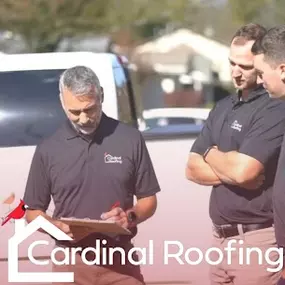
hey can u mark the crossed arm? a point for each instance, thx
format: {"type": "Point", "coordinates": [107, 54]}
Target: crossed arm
{"type": "Point", "coordinates": [245, 166]}
{"type": "Point", "coordinates": [224, 167]}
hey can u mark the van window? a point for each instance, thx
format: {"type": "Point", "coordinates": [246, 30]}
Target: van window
{"type": "Point", "coordinates": [30, 108]}
{"type": "Point", "coordinates": [123, 96]}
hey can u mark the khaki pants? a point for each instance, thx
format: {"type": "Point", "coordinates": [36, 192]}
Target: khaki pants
{"type": "Point", "coordinates": [100, 275]}
{"type": "Point", "coordinates": [245, 267]}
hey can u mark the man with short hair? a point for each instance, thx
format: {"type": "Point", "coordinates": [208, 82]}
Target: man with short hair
{"type": "Point", "coordinates": [269, 61]}
{"type": "Point", "coordinates": [237, 153]}
{"type": "Point", "coordinates": [93, 167]}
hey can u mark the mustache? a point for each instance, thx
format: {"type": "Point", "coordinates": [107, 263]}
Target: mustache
{"type": "Point", "coordinates": [86, 125]}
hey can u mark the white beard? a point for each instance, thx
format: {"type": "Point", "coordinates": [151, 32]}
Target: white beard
{"type": "Point", "coordinates": [84, 131]}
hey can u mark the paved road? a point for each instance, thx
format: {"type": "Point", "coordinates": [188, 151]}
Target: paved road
{"type": "Point", "coordinates": [182, 216]}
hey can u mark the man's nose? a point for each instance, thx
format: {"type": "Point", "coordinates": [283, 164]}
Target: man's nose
{"type": "Point", "coordinates": [83, 118]}
{"type": "Point", "coordinates": [236, 71]}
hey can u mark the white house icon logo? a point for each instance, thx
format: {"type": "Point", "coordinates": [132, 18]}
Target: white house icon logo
{"type": "Point", "coordinates": [22, 232]}
{"type": "Point", "coordinates": [108, 158]}
{"type": "Point", "coordinates": [236, 126]}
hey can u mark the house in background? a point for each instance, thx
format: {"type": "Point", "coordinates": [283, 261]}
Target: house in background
{"type": "Point", "coordinates": [91, 42]}
{"type": "Point", "coordinates": [181, 69]}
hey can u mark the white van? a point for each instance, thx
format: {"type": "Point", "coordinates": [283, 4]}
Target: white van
{"type": "Point", "coordinates": [30, 110]}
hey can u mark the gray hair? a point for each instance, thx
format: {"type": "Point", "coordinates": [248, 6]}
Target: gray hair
{"type": "Point", "coordinates": [80, 80]}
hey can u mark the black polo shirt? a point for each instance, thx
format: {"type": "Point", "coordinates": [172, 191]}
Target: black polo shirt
{"type": "Point", "coordinates": [85, 177]}
{"type": "Point", "coordinates": [254, 127]}
{"type": "Point", "coordinates": [279, 199]}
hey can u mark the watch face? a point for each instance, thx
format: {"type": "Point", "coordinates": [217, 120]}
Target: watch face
{"type": "Point", "coordinates": [132, 216]}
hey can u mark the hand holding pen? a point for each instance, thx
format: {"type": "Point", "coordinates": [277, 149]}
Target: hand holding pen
{"type": "Point", "coordinates": [116, 214]}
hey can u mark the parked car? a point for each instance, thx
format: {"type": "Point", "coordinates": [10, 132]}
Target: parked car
{"type": "Point", "coordinates": [164, 123]}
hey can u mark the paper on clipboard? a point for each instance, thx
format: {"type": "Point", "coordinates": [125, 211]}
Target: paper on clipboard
{"type": "Point", "coordinates": [97, 225]}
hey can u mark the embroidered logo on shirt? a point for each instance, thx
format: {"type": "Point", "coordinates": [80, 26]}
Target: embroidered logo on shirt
{"type": "Point", "coordinates": [236, 126]}
{"type": "Point", "coordinates": [108, 158]}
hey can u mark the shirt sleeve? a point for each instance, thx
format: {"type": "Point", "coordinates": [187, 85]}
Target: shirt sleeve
{"type": "Point", "coordinates": [264, 139]}
{"type": "Point", "coordinates": [204, 140]}
{"type": "Point", "coordinates": [146, 183]}
{"type": "Point", "coordinates": [37, 193]}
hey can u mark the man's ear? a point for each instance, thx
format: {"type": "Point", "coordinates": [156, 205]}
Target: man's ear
{"type": "Point", "coordinates": [282, 71]}
{"type": "Point", "coordinates": [259, 80]}
{"type": "Point", "coordinates": [102, 94]}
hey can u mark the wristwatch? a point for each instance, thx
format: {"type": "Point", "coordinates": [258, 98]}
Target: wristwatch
{"type": "Point", "coordinates": [132, 217]}
{"type": "Point", "coordinates": [206, 152]}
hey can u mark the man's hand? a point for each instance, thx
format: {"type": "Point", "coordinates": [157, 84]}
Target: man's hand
{"type": "Point", "coordinates": [63, 227]}
{"type": "Point", "coordinates": [235, 168]}
{"type": "Point", "coordinates": [118, 215]}
{"type": "Point", "coordinates": [254, 184]}
{"type": "Point", "coordinates": [75, 232]}
{"type": "Point", "coordinates": [198, 171]}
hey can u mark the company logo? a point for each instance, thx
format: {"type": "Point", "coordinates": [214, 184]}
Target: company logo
{"type": "Point", "coordinates": [236, 126]}
{"type": "Point", "coordinates": [108, 158]}
{"type": "Point", "coordinates": [102, 255]}
{"type": "Point", "coordinates": [22, 232]}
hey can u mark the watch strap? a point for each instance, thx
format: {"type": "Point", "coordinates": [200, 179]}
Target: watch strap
{"type": "Point", "coordinates": [206, 152]}
{"type": "Point", "coordinates": [132, 218]}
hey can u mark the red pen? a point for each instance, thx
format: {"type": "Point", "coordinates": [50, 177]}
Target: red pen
{"type": "Point", "coordinates": [115, 205]}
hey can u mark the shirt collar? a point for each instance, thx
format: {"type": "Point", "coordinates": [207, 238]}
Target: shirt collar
{"type": "Point", "coordinates": [255, 93]}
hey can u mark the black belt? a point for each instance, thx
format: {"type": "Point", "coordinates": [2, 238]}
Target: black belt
{"type": "Point", "coordinates": [225, 231]}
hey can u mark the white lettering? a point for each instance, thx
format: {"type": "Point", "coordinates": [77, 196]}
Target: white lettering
{"type": "Point", "coordinates": [65, 251]}
{"type": "Point", "coordinates": [143, 253]}
{"type": "Point", "coordinates": [249, 250]}
{"type": "Point", "coordinates": [229, 249]}
{"type": "Point", "coordinates": [220, 258]}
{"type": "Point", "coordinates": [167, 255]}
{"type": "Point", "coordinates": [112, 159]}
{"type": "Point", "coordinates": [74, 250]}
{"type": "Point", "coordinates": [86, 251]}
{"type": "Point", "coordinates": [151, 255]}
{"type": "Point", "coordinates": [189, 261]}
{"type": "Point", "coordinates": [278, 261]}
{"type": "Point", "coordinates": [30, 252]}
{"type": "Point", "coordinates": [111, 255]}
{"type": "Point", "coordinates": [241, 254]}
{"type": "Point", "coordinates": [103, 251]}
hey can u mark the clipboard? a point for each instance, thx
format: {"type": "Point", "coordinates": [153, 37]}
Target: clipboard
{"type": "Point", "coordinates": [97, 225]}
